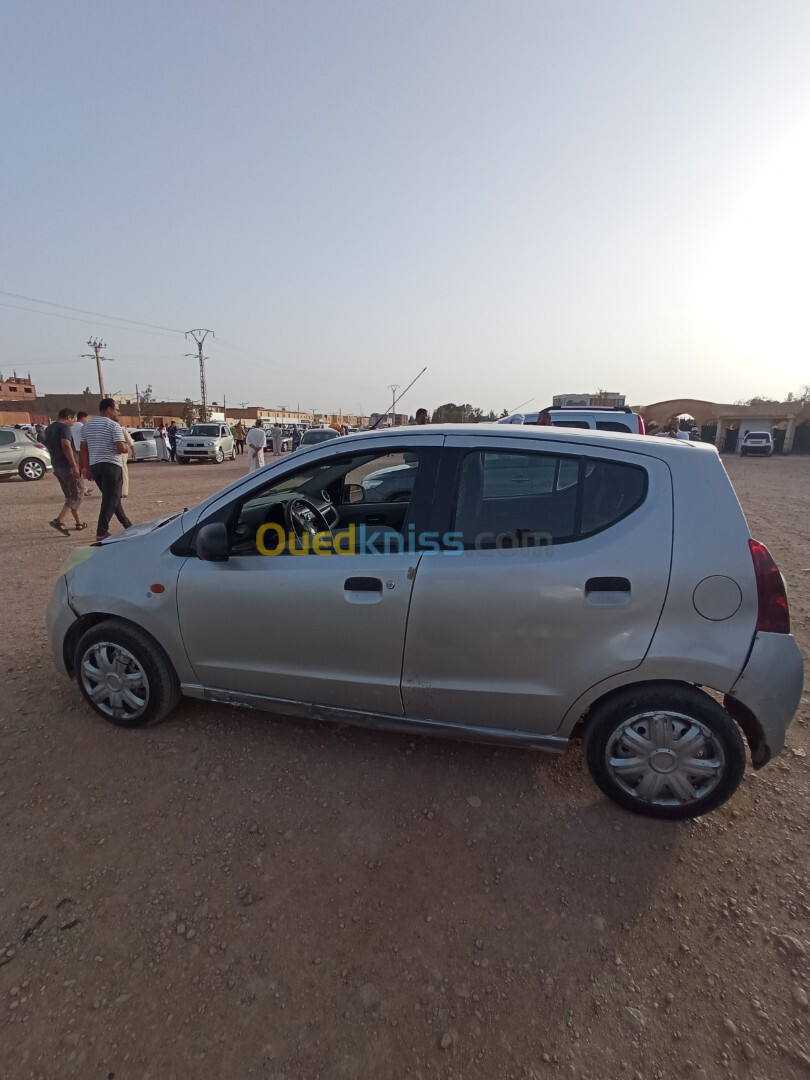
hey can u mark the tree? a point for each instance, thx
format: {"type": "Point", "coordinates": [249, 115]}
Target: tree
{"type": "Point", "coordinates": [146, 403]}
{"type": "Point", "coordinates": [459, 414]}
{"type": "Point", "coordinates": [801, 397]}
{"type": "Point", "coordinates": [189, 412]}
{"type": "Point", "coordinates": [87, 391]}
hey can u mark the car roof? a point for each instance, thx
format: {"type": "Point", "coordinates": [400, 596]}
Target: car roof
{"type": "Point", "coordinates": [614, 440]}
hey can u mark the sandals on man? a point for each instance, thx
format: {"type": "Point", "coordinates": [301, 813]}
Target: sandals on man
{"type": "Point", "coordinates": [60, 527]}
{"type": "Point", "coordinates": [81, 525]}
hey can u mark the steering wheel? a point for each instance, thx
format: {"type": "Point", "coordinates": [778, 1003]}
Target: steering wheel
{"type": "Point", "coordinates": [303, 518]}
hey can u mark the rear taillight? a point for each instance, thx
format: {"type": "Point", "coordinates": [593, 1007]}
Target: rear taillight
{"type": "Point", "coordinates": [773, 615]}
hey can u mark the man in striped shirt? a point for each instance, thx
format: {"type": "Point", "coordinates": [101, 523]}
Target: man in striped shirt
{"type": "Point", "coordinates": [102, 442]}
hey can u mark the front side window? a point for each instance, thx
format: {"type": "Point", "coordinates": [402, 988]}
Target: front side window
{"type": "Point", "coordinates": [529, 499]}
{"type": "Point", "coordinates": [359, 497]}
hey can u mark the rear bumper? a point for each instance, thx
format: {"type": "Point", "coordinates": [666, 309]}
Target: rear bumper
{"type": "Point", "coordinates": [769, 691]}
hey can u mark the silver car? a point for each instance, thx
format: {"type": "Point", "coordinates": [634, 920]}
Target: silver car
{"type": "Point", "coordinates": [22, 455]}
{"type": "Point", "coordinates": [536, 584]}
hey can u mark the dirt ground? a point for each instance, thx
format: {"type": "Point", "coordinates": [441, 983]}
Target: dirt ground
{"type": "Point", "coordinates": [230, 895]}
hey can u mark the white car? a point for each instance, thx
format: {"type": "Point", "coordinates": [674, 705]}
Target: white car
{"type": "Point", "coordinates": [145, 445]}
{"type": "Point", "coordinates": [756, 442]}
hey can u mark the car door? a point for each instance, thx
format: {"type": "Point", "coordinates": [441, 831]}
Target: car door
{"type": "Point", "coordinates": [326, 629]}
{"type": "Point", "coordinates": [507, 633]}
{"type": "Point", "coordinates": [9, 451]}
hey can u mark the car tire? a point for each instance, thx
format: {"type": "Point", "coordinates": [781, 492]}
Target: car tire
{"type": "Point", "coordinates": [120, 650]}
{"type": "Point", "coordinates": [631, 742]}
{"type": "Point", "coordinates": [233, 453]}
{"type": "Point", "coordinates": [219, 456]}
{"type": "Point", "coordinates": [31, 469]}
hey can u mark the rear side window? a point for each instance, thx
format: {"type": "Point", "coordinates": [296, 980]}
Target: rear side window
{"type": "Point", "coordinates": [6, 438]}
{"type": "Point", "coordinates": [528, 499]}
{"type": "Point", "coordinates": [612, 425]}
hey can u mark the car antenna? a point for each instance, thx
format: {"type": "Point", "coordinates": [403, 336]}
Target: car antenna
{"type": "Point", "coordinates": [527, 402]}
{"type": "Point", "coordinates": [396, 399]}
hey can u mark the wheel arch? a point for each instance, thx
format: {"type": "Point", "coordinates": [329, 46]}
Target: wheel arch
{"type": "Point", "coordinates": [739, 713]}
{"type": "Point", "coordinates": [87, 622]}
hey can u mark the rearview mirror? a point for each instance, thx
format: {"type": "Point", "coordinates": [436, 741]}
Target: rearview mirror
{"type": "Point", "coordinates": [212, 543]}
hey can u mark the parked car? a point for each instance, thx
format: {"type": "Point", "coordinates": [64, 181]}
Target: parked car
{"type": "Point", "coordinates": [601, 418]}
{"type": "Point", "coordinates": [207, 442]}
{"type": "Point", "coordinates": [145, 444]}
{"type": "Point", "coordinates": [313, 436]}
{"type": "Point", "coordinates": [756, 442]}
{"type": "Point", "coordinates": [539, 584]}
{"type": "Point", "coordinates": [22, 455]}
{"type": "Point", "coordinates": [393, 484]}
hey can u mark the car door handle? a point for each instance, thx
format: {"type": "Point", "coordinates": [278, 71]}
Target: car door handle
{"type": "Point", "coordinates": [607, 584]}
{"type": "Point", "coordinates": [363, 584]}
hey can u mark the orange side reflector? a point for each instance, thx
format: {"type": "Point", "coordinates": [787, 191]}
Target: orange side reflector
{"type": "Point", "coordinates": [157, 588]}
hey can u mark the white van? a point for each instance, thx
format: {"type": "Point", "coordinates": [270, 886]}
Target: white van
{"type": "Point", "coordinates": [607, 418]}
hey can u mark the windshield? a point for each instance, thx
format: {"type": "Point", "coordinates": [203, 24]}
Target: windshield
{"type": "Point", "coordinates": [205, 429]}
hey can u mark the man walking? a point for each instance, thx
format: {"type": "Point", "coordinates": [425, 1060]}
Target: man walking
{"type": "Point", "coordinates": [171, 431]}
{"type": "Point", "coordinates": [102, 442]}
{"type": "Point", "coordinates": [59, 441]}
{"type": "Point", "coordinates": [76, 435]}
{"type": "Point", "coordinates": [255, 446]}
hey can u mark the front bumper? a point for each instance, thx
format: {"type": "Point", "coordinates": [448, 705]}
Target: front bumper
{"type": "Point", "coordinates": [769, 689]}
{"type": "Point", "coordinates": [59, 618]}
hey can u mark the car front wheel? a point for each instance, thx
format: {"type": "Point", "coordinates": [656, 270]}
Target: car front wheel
{"type": "Point", "coordinates": [124, 675]}
{"type": "Point", "coordinates": [31, 469]}
{"type": "Point", "coordinates": [666, 750]}
{"type": "Point", "coordinates": [219, 457]}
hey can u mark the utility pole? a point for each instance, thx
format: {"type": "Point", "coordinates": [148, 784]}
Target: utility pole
{"type": "Point", "coordinates": [97, 345]}
{"type": "Point", "coordinates": [393, 387]}
{"type": "Point", "coordinates": [199, 337]}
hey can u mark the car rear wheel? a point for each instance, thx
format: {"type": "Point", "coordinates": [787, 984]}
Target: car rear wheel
{"type": "Point", "coordinates": [666, 750]}
{"type": "Point", "coordinates": [31, 469]}
{"type": "Point", "coordinates": [124, 675]}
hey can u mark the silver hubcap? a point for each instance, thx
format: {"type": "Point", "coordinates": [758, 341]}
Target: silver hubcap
{"type": "Point", "coordinates": [32, 469]}
{"type": "Point", "coordinates": [665, 758]}
{"type": "Point", "coordinates": [114, 681]}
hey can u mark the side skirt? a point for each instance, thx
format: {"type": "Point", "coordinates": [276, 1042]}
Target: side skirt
{"type": "Point", "coordinates": [554, 744]}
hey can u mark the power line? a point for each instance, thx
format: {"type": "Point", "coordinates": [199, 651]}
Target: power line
{"type": "Point", "coordinates": [83, 311]}
{"type": "Point", "coordinates": [85, 322]}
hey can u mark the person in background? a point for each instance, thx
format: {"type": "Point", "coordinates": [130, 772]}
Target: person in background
{"type": "Point", "coordinates": [102, 444]}
{"type": "Point", "coordinates": [76, 433]}
{"type": "Point", "coordinates": [421, 417]}
{"type": "Point", "coordinates": [239, 435]}
{"type": "Point", "coordinates": [59, 440]}
{"type": "Point", "coordinates": [124, 459]}
{"type": "Point", "coordinates": [171, 431]}
{"type": "Point", "coordinates": [275, 434]}
{"type": "Point", "coordinates": [296, 438]}
{"type": "Point", "coordinates": [255, 446]}
{"type": "Point", "coordinates": [544, 418]}
{"type": "Point", "coordinates": [39, 433]}
{"type": "Point", "coordinates": [161, 443]}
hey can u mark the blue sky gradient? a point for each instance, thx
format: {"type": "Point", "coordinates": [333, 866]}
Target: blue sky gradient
{"type": "Point", "coordinates": [527, 197]}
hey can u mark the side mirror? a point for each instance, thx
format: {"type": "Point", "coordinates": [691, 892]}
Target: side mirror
{"type": "Point", "coordinates": [352, 493]}
{"type": "Point", "coordinates": [212, 543]}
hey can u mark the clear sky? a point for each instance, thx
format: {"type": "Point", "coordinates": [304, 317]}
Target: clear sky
{"type": "Point", "coordinates": [527, 197]}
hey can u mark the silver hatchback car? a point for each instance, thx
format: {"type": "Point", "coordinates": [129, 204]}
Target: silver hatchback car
{"type": "Point", "coordinates": [21, 455]}
{"type": "Point", "coordinates": [536, 584]}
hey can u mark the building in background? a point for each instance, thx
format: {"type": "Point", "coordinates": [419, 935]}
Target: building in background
{"type": "Point", "coordinates": [610, 398]}
{"type": "Point", "coordinates": [15, 389]}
